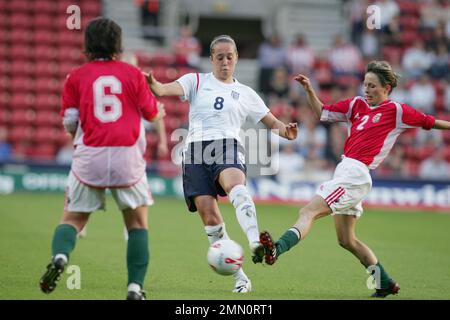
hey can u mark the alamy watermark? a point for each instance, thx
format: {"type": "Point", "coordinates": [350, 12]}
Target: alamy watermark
{"type": "Point", "coordinates": [256, 147]}
{"type": "Point", "coordinates": [374, 17]}
{"type": "Point", "coordinates": [74, 279]}
{"type": "Point", "coordinates": [374, 280]}
{"type": "Point", "coordinates": [73, 22]}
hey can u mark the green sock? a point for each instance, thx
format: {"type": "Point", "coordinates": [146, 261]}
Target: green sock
{"type": "Point", "coordinates": [384, 277]}
{"type": "Point", "coordinates": [138, 255]}
{"type": "Point", "coordinates": [289, 239]}
{"type": "Point", "coordinates": [64, 239]}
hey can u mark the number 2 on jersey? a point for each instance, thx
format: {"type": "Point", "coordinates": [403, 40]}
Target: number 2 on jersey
{"type": "Point", "coordinates": [218, 104]}
{"type": "Point", "coordinates": [107, 107]}
{"type": "Point", "coordinates": [363, 122]}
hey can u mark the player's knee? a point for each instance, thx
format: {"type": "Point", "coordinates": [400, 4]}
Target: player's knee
{"type": "Point", "coordinates": [305, 213]}
{"type": "Point", "coordinates": [346, 243]}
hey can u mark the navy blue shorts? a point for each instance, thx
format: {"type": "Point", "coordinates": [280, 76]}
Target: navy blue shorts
{"type": "Point", "coordinates": [203, 161]}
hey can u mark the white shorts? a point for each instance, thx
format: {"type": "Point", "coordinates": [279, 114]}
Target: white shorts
{"type": "Point", "coordinates": [82, 198]}
{"type": "Point", "coordinates": [350, 184]}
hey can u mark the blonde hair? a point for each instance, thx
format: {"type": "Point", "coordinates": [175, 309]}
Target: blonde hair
{"type": "Point", "coordinates": [384, 72]}
{"type": "Point", "coordinates": [221, 38]}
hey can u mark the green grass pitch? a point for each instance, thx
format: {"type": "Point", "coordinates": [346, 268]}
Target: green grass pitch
{"type": "Point", "coordinates": [414, 247]}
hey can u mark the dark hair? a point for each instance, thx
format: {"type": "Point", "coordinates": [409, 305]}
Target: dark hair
{"type": "Point", "coordinates": [102, 39]}
{"type": "Point", "coordinates": [221, 38]}
{"type": "Point", "coordinates": [384, 72]}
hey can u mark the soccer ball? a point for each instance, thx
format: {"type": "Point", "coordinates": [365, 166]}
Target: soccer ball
{"type": "Point", "coordinates": [225, 257]}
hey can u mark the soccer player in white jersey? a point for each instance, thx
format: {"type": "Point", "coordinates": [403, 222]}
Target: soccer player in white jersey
{"type": "Point", "coordinates": [374, 122]}
{"type": "Point", "coordinates": [103, 103]}
{"type": "Point", "coordinates": [219, 106]}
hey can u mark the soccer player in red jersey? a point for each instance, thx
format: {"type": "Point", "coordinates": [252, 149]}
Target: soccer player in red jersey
{"type": "Point", "coordinates": [374, 122]}
{"type": "Point", "coordinates": [103, 103]}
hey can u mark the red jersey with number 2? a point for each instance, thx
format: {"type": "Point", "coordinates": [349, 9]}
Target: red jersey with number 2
{"type": "Point", "coordinates": [373, 130]}
{"type": "Point", "coordinates": [112, 97]}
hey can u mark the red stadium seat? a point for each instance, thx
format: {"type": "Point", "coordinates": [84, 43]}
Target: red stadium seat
{"type": "Point", "coordinates": [44, 53]}
{"type": "Point", "coordinates": [45, 7]}
{"type": "Point", "coordinates": [22, 100]}
{"type": "Point", "coordinates": [22, 117]}
{"type": "Point", "coordinates": [22, 84]}
{"type": "Point", "coordinates": [45, 118]}
{"type": "Point", "coordinates": [46, 69]}
{"type": "Point", "coordinates": [22, 51]}
{"type": "Point", "coordinates": [48, 85]}
{"type": "Point", "coordinates": [46, 134]}
{"type": "Point", "coordinates": [21, 68]}
{"type": "Point", "coordinates": [20, 134]}
{"type": "Point", "coordinates": [5, 84]}
{"type": "Point", "coordinates": [44, 151]}
{"type": "Point", "coordinates": [21, 21]}
{"type": "Point", "coordinates": [47, 102]}
{"type": "Point", "coordinates": [22, 36]}
{"type": "Point", "coordinates": [44, 21]}
{"type": "Point", "coordinates": [45, 37]}
{"type": "Point", "coordinates": [22, 6]}
{"type": "Point", "coordinates": [4, 116]}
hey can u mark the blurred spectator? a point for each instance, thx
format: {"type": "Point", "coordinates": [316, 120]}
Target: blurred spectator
{"type": "Point", "coordinates": [187, 48]}
{"type": "Point", "coordinates": [335, 143]}
{"type": "Point", "coordinates": [429, 137]}
{"type": "Point", "coordinates": [391, 34]}
{"type": "Point", "coordinates": [313, 134]}
{"type": "Point", "coordinates": [287, 164]}
{"type": "Point", "coordinates": [416, 60]}
{"type": "Point", "coordinates": [300, 57]}
{"type": "Point", "coordinates": [345, 58]}
{"type": "Point", "coordinates": [357, 15]}
{"type": "Point", "coordinates": [279, 84]}
{"type": "Point", "coordinates": [5, 147]}
{"type": "Point", "coordinates": [65, 154]}
{"type": "Point", "coordinates": [400, 93]}
{"type": "Point", "coordinates": [394, 165]}
{"type": "Point", "coordinates": [370, 44]}
{"type": "Point", "coordinates": [388, 10]}
{"type": "Point", "coordinates": [150, 18]}
{"type": "Point", "coordinates": [433, 12]}
{"type": "Point", "coordinates": [423, 95]}
{"type": "Point", "coordinates": [271, 54]}
{"type": "Point", "coordinates": [435, 167]}
{"type": "Point", "coordinates": [438, 37]}
{"type": "Point", "coordinates": [447, 96]}
{"type": "Point", "coordinates": [440, 67]}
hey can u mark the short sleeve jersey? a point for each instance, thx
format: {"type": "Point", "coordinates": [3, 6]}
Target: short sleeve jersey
{"type": "Point", "coordinates": [111, 97]}
{"type": "Point", "coordinates": [373, 130]}
{"type": "Point", "coordinates": [217, 109]}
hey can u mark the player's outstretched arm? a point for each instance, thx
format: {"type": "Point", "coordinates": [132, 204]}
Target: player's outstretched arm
{"type": "Point", "coordinates": [162, 148]}
{"type": "Point", "coordinates": [288, 131]}
{"type": "Point", "coordinates": [441, 125]}
{"type": "Point", "coordinates": [312, 98]}
{"type": "Point", "coordinates": [163, 89]}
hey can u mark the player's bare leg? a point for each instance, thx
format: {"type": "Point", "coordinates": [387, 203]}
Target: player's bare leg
{"type": "Point", "coordinates": [232, 181]}
{"type": "Point", "coordinates": [345, 230]}
{"type": "Point", "coordinates": [209, 212]}
{"type": "Point", "coordinates": [63, 243]}
{"type": "Point", "coordinates": [138, 256]}
{"type": "Point", "coordinates": [315, 209]}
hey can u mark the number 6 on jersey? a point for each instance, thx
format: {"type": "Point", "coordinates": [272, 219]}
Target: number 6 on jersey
{"type": "Point", "coordinates": [107, 107]}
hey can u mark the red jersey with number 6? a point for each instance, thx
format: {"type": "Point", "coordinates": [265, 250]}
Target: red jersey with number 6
{"type": "Point", "coordinates": [373, 130]}
{"type": "Point", "coordinates": [112, 97]}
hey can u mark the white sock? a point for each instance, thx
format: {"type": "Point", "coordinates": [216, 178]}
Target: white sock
{"type": "Point", "coordinates": [134, 287]}
{"type": "Point", "coordinates": [62, 256]}
{"type": "Point", "coordinates": [245, 212]}
{"type": "Point", "coordinates": [218, 232]}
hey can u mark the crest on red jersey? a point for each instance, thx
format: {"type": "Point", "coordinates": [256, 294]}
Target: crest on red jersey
{"type": "Point", "coordinates": [376, 118]}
